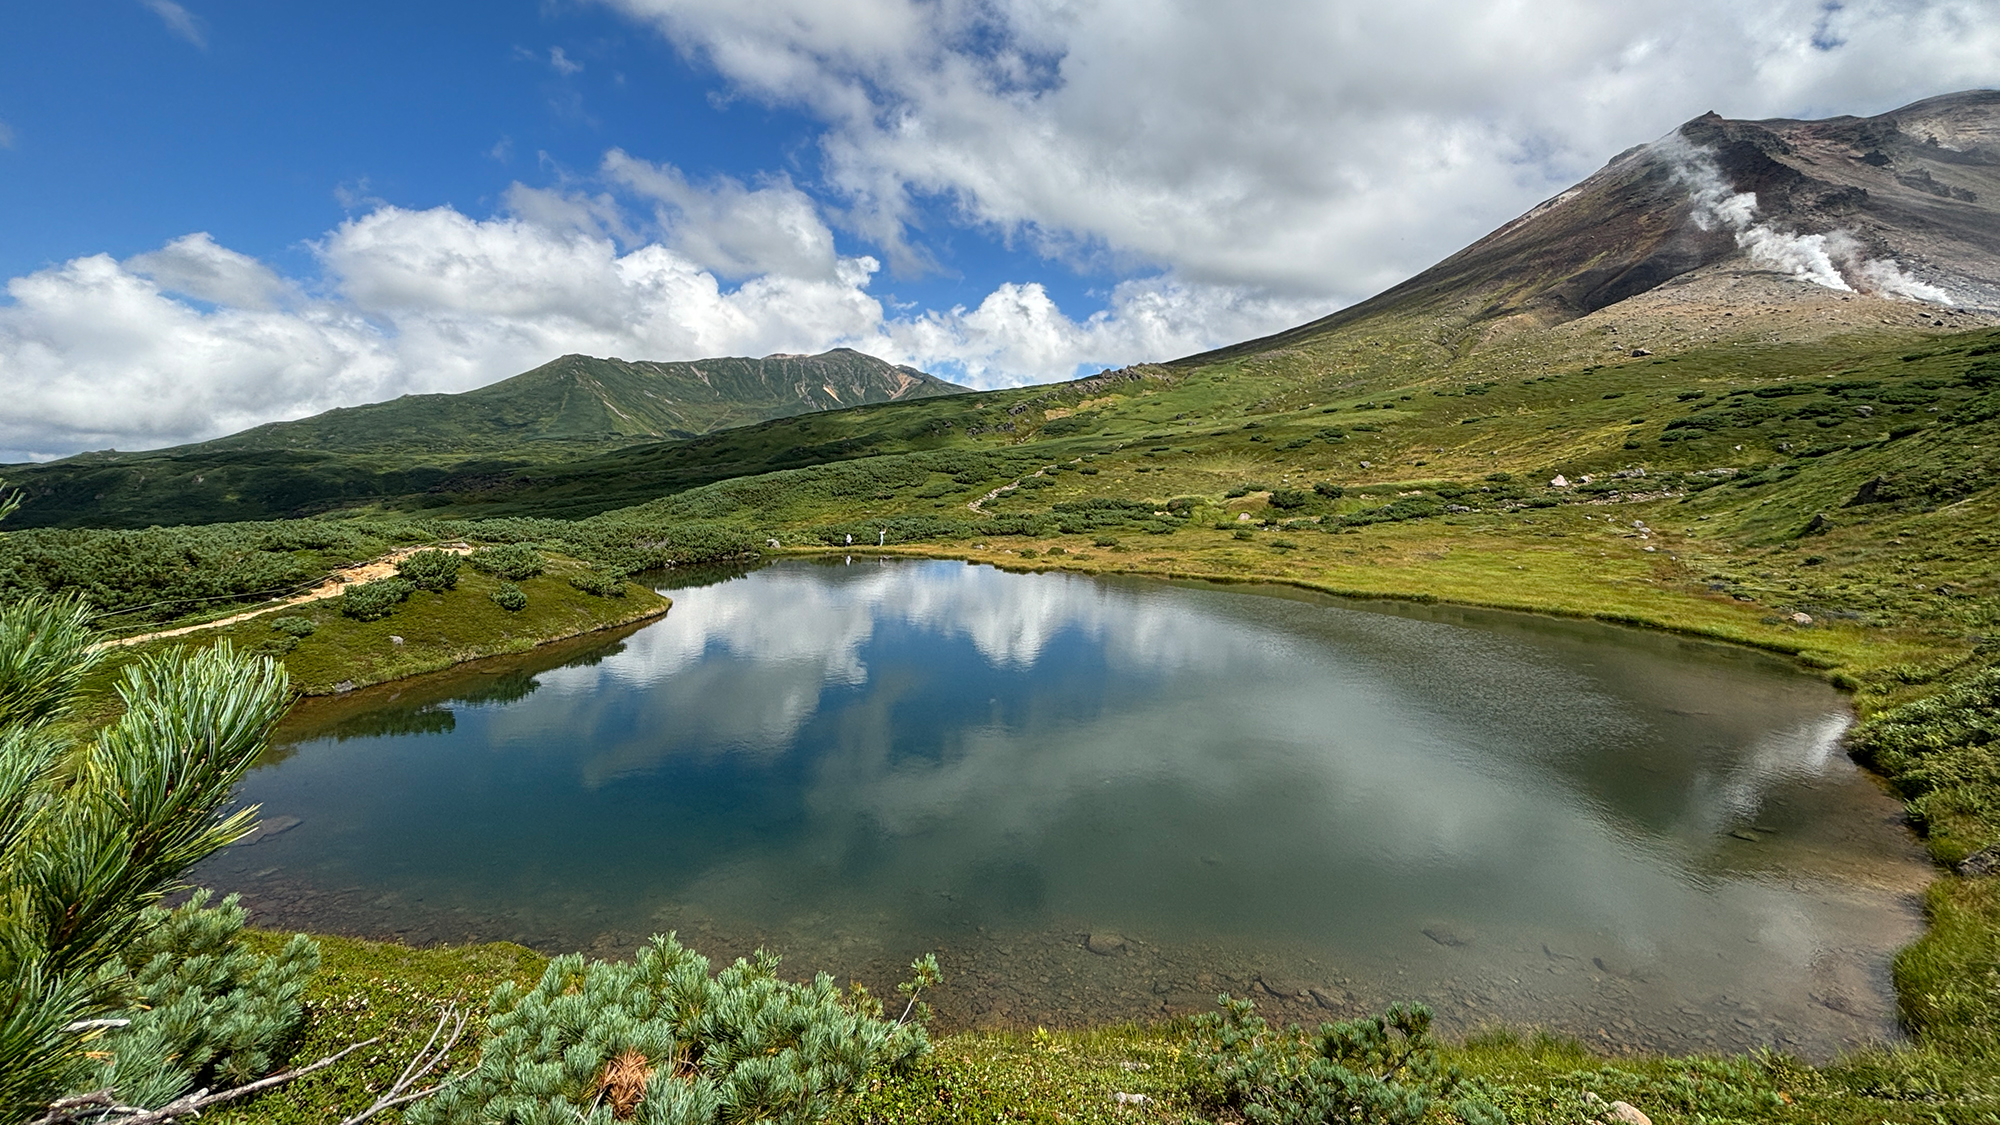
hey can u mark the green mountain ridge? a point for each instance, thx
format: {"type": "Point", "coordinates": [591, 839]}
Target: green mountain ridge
{"type": "Point", "coordinates": [586, 400]}
{"type": "Point", "coordinates": [572, 407]}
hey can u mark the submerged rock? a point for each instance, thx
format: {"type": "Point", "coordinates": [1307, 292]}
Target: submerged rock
{"type": "Point", "coordinates": [1104, 943]}
{"type": "Point", "coordinates": [1449, 933]}
{"type": "Point", "coordinates": [268, 827]}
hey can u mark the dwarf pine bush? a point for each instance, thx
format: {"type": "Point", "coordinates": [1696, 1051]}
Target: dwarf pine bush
{"type": "Point", "coordinates": [203, 1008]}
{"type": "Point", "coordinates": [510, 597]}
{"type": "Point", "coordinates": [660, 1042]}
{"type": "Point", "coordinates": [513, 561]}
{"type": "Point", "coordinates": [436, 571]}
{"type": "Point", "coordinates": [1382, 1070]}
{"type": "Point", "coordinates": [602, 583]}
{"type": "Point", "coordinates": [370, 601]}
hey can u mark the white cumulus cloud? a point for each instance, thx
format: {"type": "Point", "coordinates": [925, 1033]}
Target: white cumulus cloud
{"type": "Point", "coordinates": [1322, 148]}
{"type": "Point", "coordinates": [195, 340]}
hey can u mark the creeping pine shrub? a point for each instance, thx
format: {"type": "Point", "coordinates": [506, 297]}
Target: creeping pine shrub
{"type": "Point", "coordinates": [1289, 498]}
{"type": "Point", "coordinates": [369, 601]}
{"type": "Point", "coordinates": [1330, 491]}
{"type": "Point", "coordinates": [294, 626]}
{"type": "Point", "coordinates": [513, 562]}
{"type": "Point", "coordinates": [510, 597]}
{"type": "Point", "coordinates": [436, 571]}
{"type": "Point", "coordinates": [202, 1007]}
{"type": "Point", "coordinates": [661, 1042]}
{"type": "Point", "coordinates": [1382, 1070]}
{"type": "Point", "coordinates": [602, 583]}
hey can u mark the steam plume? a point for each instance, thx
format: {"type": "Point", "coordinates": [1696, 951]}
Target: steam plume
{"type": "Point", "coordinates": [1834, 259]}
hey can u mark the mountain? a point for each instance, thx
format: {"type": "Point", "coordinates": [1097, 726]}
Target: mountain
{"type": "Point", "coordinates": [579, 399]}
{"type": "Point", "coordinates": [1901, 210]}
{"type": "Point", "coordinates": [571, 407]}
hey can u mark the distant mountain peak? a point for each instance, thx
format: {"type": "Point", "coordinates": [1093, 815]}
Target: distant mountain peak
{"type": "Point", "coordinates": [1903, 206]}
{"type": "Point", "coordinates": [582, 399]}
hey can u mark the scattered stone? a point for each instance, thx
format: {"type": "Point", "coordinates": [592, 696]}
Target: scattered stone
{"type": "Point", "coordinates": [1982, 862]}
{"type": "Point", "coordinates": [1802, 619]}
{"type": "Point", "coordinates": [395, 640]}
{"type": "Point", "coordinates": [1625, 1113]}
{"type": "Point", "coordinates": [1818, 525]}
{"type": "Point", "coordinates": [1616, 967]}
{"type": "Point", "coordinates": [1745, 834]}
{"type": "Point", "coordinates": [1449, 934]}
{"type": "Point", "coordinates": [1123, 1098]}
{"type": "Point", "coordinates": [1329, 999]}
{"type": "Point", "coordinates": [343, 687]}
{"type": "Point", "coordinates": [1104, 943]}
{"type": "Point", "coordinates": [1560, 481]}
{"type": "Point", "coordinates": [268, 827]}
{"type": "Point", "coordinates": [1640, 353]}
{"type": "Point", "coordinates": [1283, 989]}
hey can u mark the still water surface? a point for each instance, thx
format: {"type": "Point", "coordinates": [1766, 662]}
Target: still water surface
{"type": "Point", "coordinates": [1106, 799]}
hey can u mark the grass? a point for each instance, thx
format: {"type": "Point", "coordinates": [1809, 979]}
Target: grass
{"type": "Point", "coordinates": [367, 989]}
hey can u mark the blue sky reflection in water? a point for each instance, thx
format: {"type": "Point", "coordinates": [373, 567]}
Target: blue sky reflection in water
{"type": "Point", "coordinates": [1633, 838]}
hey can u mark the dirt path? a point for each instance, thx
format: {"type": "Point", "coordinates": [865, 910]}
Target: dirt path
{"type": "Point", "coordinates": [975, 505]}
{"type": "Point", "coordinates": [334, 586]}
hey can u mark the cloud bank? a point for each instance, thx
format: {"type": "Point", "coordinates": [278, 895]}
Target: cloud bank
{"type": "Point", "coordinates": [194, 339]}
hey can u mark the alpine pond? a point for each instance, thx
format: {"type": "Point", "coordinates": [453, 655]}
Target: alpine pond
{"type": "Point", "coordinates": [1104, 799]}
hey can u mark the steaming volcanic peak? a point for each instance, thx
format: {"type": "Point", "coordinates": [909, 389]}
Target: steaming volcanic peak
{"type": "Point", "coordinates": [1902, 207]}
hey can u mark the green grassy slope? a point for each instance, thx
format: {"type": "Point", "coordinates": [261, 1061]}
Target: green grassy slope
{"type": "Point", "coordinates": [418, 445]}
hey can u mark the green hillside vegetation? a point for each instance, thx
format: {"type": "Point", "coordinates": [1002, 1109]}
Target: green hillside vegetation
{"type": "Point", "coordinates": [419, 446]}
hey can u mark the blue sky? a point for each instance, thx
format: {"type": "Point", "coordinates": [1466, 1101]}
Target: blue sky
{"type": "Point", "coordinates": [273, 122]}
{"type": "Point", "coordinates": [215, 213]}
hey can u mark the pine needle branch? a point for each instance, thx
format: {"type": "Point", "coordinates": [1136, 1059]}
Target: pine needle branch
{"type": "Point", "coordinates": [429, 1058]}
{"type": "Point", "coordinates": [101, 1107]}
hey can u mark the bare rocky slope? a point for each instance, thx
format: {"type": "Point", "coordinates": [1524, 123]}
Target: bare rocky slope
{"type": "Point", "coordinates": [1865, 219]}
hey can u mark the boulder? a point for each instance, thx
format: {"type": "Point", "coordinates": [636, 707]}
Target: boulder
{"type": "Point", "coordinates": [1625, 1113]}
{"type": "Point", "coordinates": [1104, 943]}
